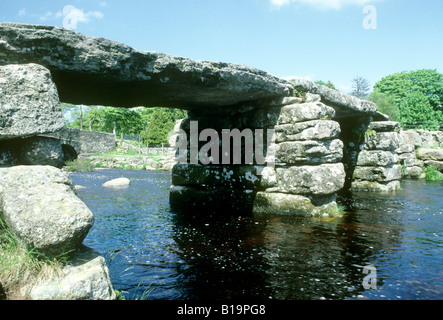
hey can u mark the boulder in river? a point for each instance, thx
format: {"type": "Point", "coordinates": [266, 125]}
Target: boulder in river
{"type": "Point", "coordinates": [120, 182]}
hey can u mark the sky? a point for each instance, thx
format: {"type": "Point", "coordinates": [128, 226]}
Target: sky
{"type": "Point", "coordinates": [328, 40]}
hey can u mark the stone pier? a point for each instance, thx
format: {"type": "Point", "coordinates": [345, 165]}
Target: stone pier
{"type": "Point", "coordinates": [311, 136]}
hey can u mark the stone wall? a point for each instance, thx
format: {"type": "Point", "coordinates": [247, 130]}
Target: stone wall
{"type": "Point", "coordinates": [307, 175]}
{"type": "Point", "coordinates": [377, 164]}
{"type": "Point", "coordinates": [86, 142]}
{"type": "Point", "coordinates": [419, 148]}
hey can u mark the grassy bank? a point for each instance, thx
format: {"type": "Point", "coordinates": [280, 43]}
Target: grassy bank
{"type": "Point", "coordinates": [20, 266]}
{"type": "Point", "coordinates": [432, 174]}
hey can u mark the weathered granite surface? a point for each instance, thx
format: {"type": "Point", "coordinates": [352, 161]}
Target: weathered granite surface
{"type": "Point", "coordinates": [29, 102]}
{"type": "Point", "coordinates": [96, 71]}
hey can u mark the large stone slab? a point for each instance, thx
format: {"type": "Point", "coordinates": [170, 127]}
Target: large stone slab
{"type": "Point", "coordinates": [430, 154]}
{"type": "Point", "coordinates": [96, 71]}
{"type": "Point", "coordinates": [345, 106]}
{"type": "Point", "coordinates": [380, 174]}
{"type": "Point", "coordinates": [384, 126]}
{"type": "Point", "coordinates": [309, 130]}
{"type": "Point", "coordinates": [29, 102]}
{"type": "Point", "coordinates": [40, 206]}
{"type": "Point", "coordinates": [321, 180]}
{"type": "Point", "coordinates": [309, 152]}
{"type": "Point", "coordinates": [388, 141]}
{"type": "Point", "coordinates": [377, 158]}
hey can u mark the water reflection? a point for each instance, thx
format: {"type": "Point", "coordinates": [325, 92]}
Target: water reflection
{"type": "Point", "coordinates": [150, 249]}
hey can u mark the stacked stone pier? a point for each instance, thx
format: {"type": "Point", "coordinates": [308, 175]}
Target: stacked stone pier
{"type": "Point", "coordinates": [293, 145]}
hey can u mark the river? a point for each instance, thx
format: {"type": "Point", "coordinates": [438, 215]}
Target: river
{"type": "Point", "coordinates": [388, 246]}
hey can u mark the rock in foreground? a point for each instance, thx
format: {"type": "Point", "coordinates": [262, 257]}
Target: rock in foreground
{"type": "Point", "coordinates": [40, 206]}
{"type": "Point", "coordinates": [86, 277]}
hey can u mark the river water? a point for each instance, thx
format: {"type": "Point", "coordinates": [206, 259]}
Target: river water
{"type": "Point", "coordinates": [388, 246]}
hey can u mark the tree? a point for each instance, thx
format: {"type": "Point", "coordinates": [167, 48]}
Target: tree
{"type": "Point", "coordinates": [414, 92]}
{"type": "Point", "coordinates": [107, 119]}
{"type": "Point", "coordinates": [161, 122]}
{"type": "Point", "coordinates": [360, 87]}
{"type": "Point", "coordinates": [385, 104]}
{"type": "Point", "coordinates": [416, 110]}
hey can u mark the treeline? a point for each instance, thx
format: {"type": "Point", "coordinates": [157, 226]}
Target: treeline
{"type": "Point", "coordinates": [152, 124]}
{"type": "Point", "coordinates": [414, 98]}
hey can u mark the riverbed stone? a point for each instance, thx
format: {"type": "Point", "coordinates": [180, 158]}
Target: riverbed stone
{"type": "Point", "coordinates": [379, 158]}
{"type": "Point", "coordinates": [86, 277]}
{"type": "Point", "coordinates": [380, 174]}
{"type": "Point", "coordinates": [119, 182]}
{"type": "Point", "coordinates": [40, 206]}
{"type": "Point", "coordinates": [435, 154]}
{"type": "Point", "coordinates": [289, 204]}
{"type": "Point", "coordinates": [309, 152]}
{"type": "Point", "coordinates": [29, 102]}
{"type": "Point", "coordinates": [309, 130]}
{"type": "Point", "coordinates": [320, 180]}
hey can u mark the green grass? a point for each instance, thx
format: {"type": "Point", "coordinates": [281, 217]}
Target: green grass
{"type": "Point", "coordinates": [80, 165]}
{"type": "Point", "coordinates": [432, 174]}
{"type": "Point", "coordinates": [20, 266]}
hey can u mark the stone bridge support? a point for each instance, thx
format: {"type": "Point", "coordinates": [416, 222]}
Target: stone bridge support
{"type": "Point", "coordinates": [319, 150]}
{"type": "Point", "coordinates": [290, 147]}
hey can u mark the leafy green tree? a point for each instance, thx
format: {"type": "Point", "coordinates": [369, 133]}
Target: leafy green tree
{"type": "Point", "coordinates": [161, 122]}
{"type": "Point", "coordinates": [385, 104]}
{"type": "Point", "coordinates": [415, 109]}
{"type": "Point", "coordinates": [414, 92]}
{"type": "Point", "coordinates": [107, 119]}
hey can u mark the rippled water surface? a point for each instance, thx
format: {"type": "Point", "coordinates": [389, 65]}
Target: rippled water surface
{"type": "Point", "coordinates": [153, 253]}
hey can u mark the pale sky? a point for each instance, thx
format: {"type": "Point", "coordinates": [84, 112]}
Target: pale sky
{"type": "Point", "coordinates": [333, 40]}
